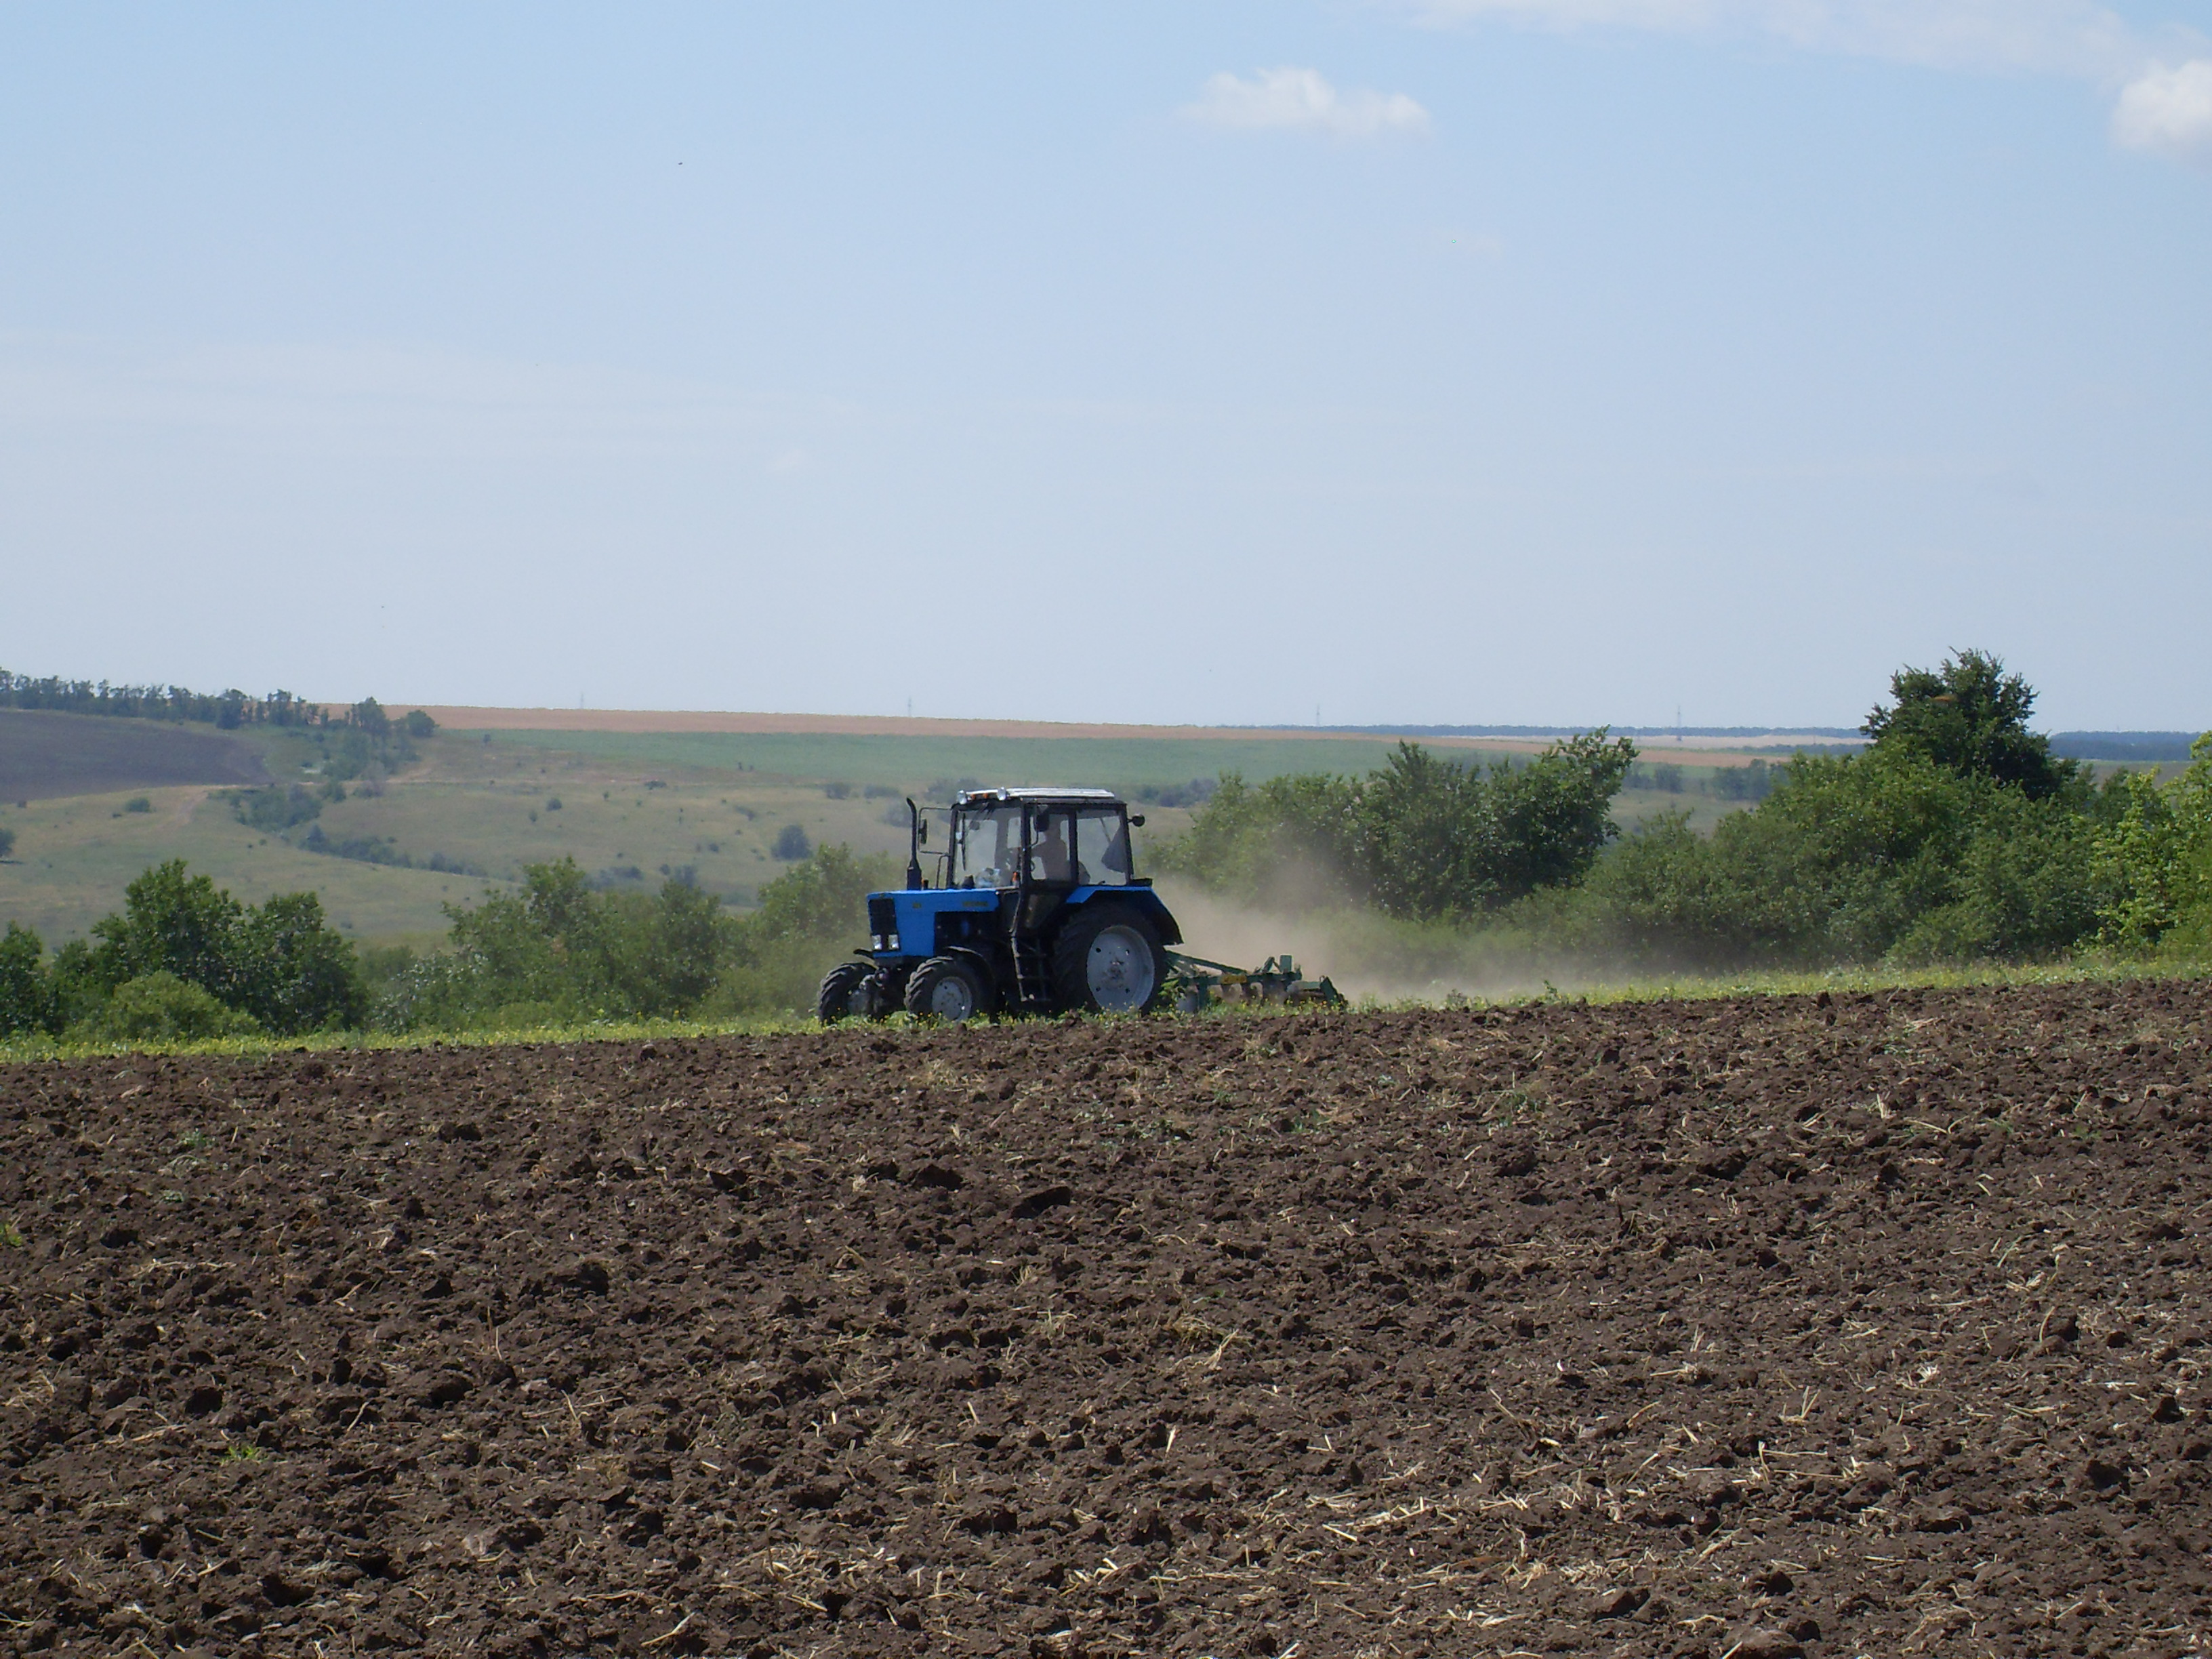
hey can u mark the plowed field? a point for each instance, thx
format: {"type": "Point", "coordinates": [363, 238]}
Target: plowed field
{"type": "Point", "coordinates": [1755, 1327]}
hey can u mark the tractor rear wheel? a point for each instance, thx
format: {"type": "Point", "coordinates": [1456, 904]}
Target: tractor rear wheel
{"type": "Point", "coordinates": [948, 989]}
{"type": "Point", "coordinates": [844, 993]}
{"type": "Point", "coordinates": [1108, 960]}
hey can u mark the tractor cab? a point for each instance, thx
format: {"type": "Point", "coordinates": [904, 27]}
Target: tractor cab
{"type": "Point", "coordinates": [1065, 838]}
{"type": "Point", "coordinates": [1033, 905]}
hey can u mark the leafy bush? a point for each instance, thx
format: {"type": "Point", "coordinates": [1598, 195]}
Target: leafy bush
{"type": "Point", "coordinates": [282, 963]}
{"type": "Point", "coordinates": [569, 951]}
{"type": "Point", "coordinates": [1955, 837]}
{"type": "Point", "coordinates": [808, 919]}
{"type": "Point", "coordinates": [138, 803]}
{"type": "Point", "coordinates": [564, 950]}
{"type": "Point", "coordinates": [160, 1007]}
{"type": "Point", "coordinates": [274, 810]}
{"type": "Point", "coordinates": [791, 843]}
{"type": "Point", "coordinates": [1420, 837]}
{"type": "Point", "coordinates": [1753, 782]}
{"type": "Point", "coordinates": [1886, 855]}
{"type": "Point", "coordinates": [1834, 866]}
{"type": "Point", "coordinates": [7, 843]}
{"type": "Point", "coordinates": [2156, 858]}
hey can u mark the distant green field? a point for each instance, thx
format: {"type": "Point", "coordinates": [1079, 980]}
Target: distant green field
{"type": "Point", "coordinates": [1125, 763]}
{"type": "Point", "coordinates": [75, 856]}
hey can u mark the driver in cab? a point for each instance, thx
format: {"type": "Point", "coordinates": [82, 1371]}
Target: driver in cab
{"type": "Point", "coordinates": [1050, 849]}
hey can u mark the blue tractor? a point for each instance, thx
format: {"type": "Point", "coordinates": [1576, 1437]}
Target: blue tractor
{"type": "Point", "coordinates": [1036, 909]}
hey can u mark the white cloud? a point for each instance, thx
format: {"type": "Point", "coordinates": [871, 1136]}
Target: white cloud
{"type": "Point", "coordinates": [1302, 98]}
{"type": "Point", "coordinates": [2064, 36]}
{"type": "Point", "coordinates": [2168, 110]}
{"type": "Point", "coordinates": [2160, 108]}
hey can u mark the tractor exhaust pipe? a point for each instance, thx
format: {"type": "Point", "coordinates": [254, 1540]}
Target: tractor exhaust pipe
{"type": "Point", "coordinates": [913, 846]}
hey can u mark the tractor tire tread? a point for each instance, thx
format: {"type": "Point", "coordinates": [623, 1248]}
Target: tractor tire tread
{"type": "Point", "coordinates": [921, 987]}
{"type": "Point", "coordinates": [1071, 955]}
{"type": "Point", "coordinates": [833, 1001]}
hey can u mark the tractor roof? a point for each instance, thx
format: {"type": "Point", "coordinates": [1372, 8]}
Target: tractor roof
{"type": "Point", "coordinates": [1041, 792]}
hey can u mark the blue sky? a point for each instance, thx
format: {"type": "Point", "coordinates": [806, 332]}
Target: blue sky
{"type": "Point", "coordinates": [1474, 361]}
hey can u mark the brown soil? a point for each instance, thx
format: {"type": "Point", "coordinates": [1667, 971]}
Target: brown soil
{"type": "Point", "coordinates": [1755, 1327]}
{"type": "Point", "coordinates": [45, 754]}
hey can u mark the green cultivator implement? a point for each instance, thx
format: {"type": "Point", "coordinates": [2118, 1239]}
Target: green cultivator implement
{"type": "Point", "coordinates": [1196, 982]}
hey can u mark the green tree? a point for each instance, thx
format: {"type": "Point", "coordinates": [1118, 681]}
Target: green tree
{"type": "Point", "coordinates": [175, 922]}
{"type": "Point", "coordinates": [281, 964]}
{"type": "Point", "coordinates": [667, 951]}
{"type": "Point", "coordinates": [2026, 887]}
{"type": "Point", "coordinates": [2156, 856]}
{"type": "Point", "coordinates": [1550, 820]}
{"type": "Point", "coordinates": [7, 842]}
{"type": "Point", "coordinates": [1419, 837]}
{"type": "Point", "coordinates": [294, 972]}
{"type": "Point", "coordinates": [1970, 717]}
{"type": "Point", "coordinates": [1423, 835]}
{"type": "Point", "coordinates": [558, 951]}
{"type": "Point", "coordinates": [808, 918]}
{"type": "Point", "coordinates": [77, 988]}
{"type": "Point", "coordinates": [1291, 841]}
{"type": "Point", "coordinates": [824, 897]}
{"type": "Point", "coordinates": [26, 989]}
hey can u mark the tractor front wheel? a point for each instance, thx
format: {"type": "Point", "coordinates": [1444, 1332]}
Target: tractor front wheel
{"type": "Point", "coordinates": [947, 989]}
{"type": "Point", "coordinates": [845, 993]}
{"type": "Point", "coordinates": [1108, 960]}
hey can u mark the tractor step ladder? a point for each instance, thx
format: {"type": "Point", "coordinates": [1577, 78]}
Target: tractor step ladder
{"type": "Point", "coordinates": [1031, 976]}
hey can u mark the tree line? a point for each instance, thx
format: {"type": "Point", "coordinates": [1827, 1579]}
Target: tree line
{"type": "Point", "coordinates": [184, 960]}
{"type": "Point", "coordinates": [226, 709]}
{"type": "Point", "coordinates": [1956, 836]}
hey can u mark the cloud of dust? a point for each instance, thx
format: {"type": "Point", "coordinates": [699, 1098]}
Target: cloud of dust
{"type": "Point", "coordinates": [1370, 956]}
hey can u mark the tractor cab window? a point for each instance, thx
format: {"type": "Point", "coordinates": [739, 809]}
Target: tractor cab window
{"type": "Point", "coordinates": [987, 847]}
{"type": "Point", "coordinates": [1051, 845]}
{"type": "Point", "coordinates": [1101, 847]}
